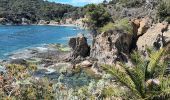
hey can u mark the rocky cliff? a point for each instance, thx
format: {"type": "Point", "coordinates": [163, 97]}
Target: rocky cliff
{"type": "Point", "coordinates": [116, 45]}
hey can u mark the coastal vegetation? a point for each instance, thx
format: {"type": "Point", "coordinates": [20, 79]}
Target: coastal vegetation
{"type": "Point", "coordinates": [163, 11]}
{"type": "Point", "coordinates": [147, 79]}
{"type": "Point", "coordinates": [128, 59]}
{"type": "Point", "coordinates": [122, 24]}
{"type": "Point", "coordinates": [97, 15]}
{"type": "Point", "coordinates": [33, 10]}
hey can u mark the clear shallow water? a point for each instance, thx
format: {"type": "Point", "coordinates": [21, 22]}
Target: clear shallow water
{"type": "Point", "coordinates": [13, 38]}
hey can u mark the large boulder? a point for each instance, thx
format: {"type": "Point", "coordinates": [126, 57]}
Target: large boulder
{"type": "Point", "coordinates": [79, 47]}
{"type": "Point", "coordinates": [157, 36]}
{"type": "Point", "coordinates": [141, 25]}
{"type": "Point", "coordinates": [108, 46]}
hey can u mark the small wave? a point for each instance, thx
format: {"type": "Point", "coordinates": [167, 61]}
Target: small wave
{"type": "Point", "coordinates": [66, 38]}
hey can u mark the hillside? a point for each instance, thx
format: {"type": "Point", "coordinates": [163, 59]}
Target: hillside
{"type": "Point", "coordinates": [32, 10]}
{"type": "Point", "coordinates": [128, 59]}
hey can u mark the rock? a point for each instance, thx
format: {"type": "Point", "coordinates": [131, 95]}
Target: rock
{"type": "Point", "coordinates": [140, 26]}
{"type": "Point", "coordinates": [19, 61]}
{"type": "Point", "coordinates": [5, 21]}
{"type": "Point", "coordinates": [80, 23]}
{"type": "Point", "coordinates": [69, 21]}
{"type": "Point", "coordinates": [25, 21]}
{"type": "Point", "coordinates": [84, 64]}
{"type": "Point", "coordinates": [79, 47]}
{"type": "Point", "coordinates": [96, 69]}
{"type": "Point", "coordinates": [157, 36]}
{"type": "Point", "coordinates": [109, 45]}
{"type": "Point", "coordinates": [53, 23]}
{"type": "Point", "coordinates": [166, 36]}
{"type": "Point", "coordinates": [152, 82]}
{"type": "Point", "coordinates": [43, 22]}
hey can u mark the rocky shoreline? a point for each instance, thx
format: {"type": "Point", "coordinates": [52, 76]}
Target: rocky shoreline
{"type": "Point", "coordinates": [80, 64]}
{"type": "Point", "coordinates": [65, 22]}
{"type": "Point", "coordinates": [107, 48]}
{"type": "Point", "coordinates": [52, 61]}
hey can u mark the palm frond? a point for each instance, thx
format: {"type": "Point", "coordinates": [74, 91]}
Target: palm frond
{"type": "Point", "coordinates": [165, 84]}
{"type": "Point", "coordinates": [123, 77]}
{"type": "Point", "coordinates": [154, 60]}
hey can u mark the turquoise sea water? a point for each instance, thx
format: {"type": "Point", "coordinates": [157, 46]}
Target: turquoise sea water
{"type": "Point", "coordinates": [13, 38]}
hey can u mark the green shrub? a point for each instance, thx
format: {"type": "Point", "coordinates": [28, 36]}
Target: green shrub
{"type": "Point", "coordinates": [97, 15]}
{"type": "Point", "coordinates": [164, 10]}
{"type": "Point", "coordinates": [131, 3]}
{"type": "Point", "coordinates": [107, 27]}
{"type": "Point", "coordinates": [107, 92]}
{"type": "Point", "coordinates": [122, 24]}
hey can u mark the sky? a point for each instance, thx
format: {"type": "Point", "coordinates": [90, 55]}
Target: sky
{"type": "Point", "coordinates": [77, 2]}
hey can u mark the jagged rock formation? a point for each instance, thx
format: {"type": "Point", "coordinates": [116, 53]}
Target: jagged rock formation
{"type": "Point", "coordinates": [157, 36]}
{"type": "Point", "coordinates": [166, 36]}
{"type": "Point", "coordinates": [140, 26]}
{"type": "Point", "coordinates": [110, 46]}
{"type": "Point", "coordinates": [79, 47]}
{"type": "Point", "coordinates": [116, 45]}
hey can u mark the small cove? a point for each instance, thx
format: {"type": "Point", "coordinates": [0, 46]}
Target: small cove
{"type": "Point", "coordinates": [17, 42]}
{"type": "Point", "coordinates": [13, 38]}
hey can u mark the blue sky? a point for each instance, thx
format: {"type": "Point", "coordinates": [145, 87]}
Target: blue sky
{"type": "Point", "coordinates": [77, 2]}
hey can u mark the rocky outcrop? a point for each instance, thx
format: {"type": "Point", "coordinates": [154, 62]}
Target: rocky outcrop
{"type": "Point", "coordinates": [43, 22]}
{"type": "Point", "coordinates": [19, 62]}
{"type": "Point", "coordinates": [84, 64]}
{"type": "Point", "coordinates": [157, 36]}
{"type": "Point", "coordinates": [166, 36]}
{"type": "Point", "coordinates": [11, 20]}
{"type": "Point", "coordinates": [52, 22]}
{"type": "Point", "coordinates": [69, 21]}
{"type": "Point", "coordinates": [79, 47]}
{"type": "Point", "coordinates": [25, 21]}
{"type": "Point", "coordinates": [4, 21]}
{"type": "Point", "coordinates": [80, 23]}
{"type": "Point", "coordinates": [140, 26]}
{"type": "Point", "coordinates": [111, 46]}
